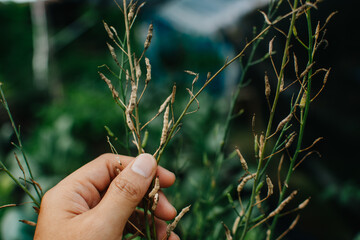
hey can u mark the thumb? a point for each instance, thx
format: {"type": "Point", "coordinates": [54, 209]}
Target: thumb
{"type": "Point", "coordinates": [126, 191]}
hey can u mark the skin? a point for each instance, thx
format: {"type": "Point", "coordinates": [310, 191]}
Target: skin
{"type": "Point", "coordinates": [97, 200]}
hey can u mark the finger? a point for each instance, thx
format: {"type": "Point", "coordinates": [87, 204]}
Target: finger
{"type": "Point", "coordinates": [164, 210]}
{"type": "Point", "coordinates": [101, 171]}
{"type": "Point", "coordinates": [126, 191]}
{"type": "Point", "coordinates": [95, 177]}
{"type": "Point", "coordinates": [166, 177]}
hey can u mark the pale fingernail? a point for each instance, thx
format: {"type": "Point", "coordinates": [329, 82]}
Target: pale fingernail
{"type": "Point", "coordinates": [144, 165]}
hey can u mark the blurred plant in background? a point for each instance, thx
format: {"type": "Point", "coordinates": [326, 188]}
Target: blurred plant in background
{"type": "Point", "coordinates": [62, 125]}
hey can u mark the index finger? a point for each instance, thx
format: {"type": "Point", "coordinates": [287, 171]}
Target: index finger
{"type": "Point", "coordinates": [101, 171]}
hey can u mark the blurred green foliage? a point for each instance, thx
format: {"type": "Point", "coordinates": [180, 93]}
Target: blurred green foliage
{"type": "Point", "coordinates": [63, 126]}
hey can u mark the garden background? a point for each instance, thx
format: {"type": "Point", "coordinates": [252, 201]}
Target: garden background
{"type": "Point", "coordinates": [62, 105]}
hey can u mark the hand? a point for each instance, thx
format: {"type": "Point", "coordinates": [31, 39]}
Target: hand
{"type": "Point", "coordinates": [96, 201]}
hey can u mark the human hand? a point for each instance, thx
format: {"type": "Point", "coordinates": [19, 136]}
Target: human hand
{"type": "Point", "coordinates": [96, 201]}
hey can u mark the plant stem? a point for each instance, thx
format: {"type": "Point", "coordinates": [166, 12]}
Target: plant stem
{"type": "Point", "coordinates": [19, 184]}
{"type": "Point", "coordinates": [176, 124]}
{"type": "Point", "coordinates": [127, 29]}
{"type": "Point", "coordinates": [303, 119]}
{"type": "Point", "coordinates": [269, 126]}
{"type": "Point", "coordinates": [17, 133]}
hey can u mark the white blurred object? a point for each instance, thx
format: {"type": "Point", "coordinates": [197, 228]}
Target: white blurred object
{"type": "Point", "coordinates": [206, 17]}
{"type": "Point", "coordinates": [40, 61]}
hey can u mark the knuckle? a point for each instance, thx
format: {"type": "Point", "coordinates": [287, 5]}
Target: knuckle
{"type": "Point", "coordinates": [106, 156]}
{"type": "Point", "coordinates": [127, 189]}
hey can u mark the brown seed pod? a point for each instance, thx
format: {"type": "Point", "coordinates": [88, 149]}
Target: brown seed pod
{"type": "Point", "coordinates": [148, 70]}
{"type": "Point", "coordinates": [148, 37]}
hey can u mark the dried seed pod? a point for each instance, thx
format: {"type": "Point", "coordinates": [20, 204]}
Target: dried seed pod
{"type": "Point", "coordinates": [148, 37]}
{"type": "Point", "coordinates": [261, 144]}
{"type": "Point", "coordinates": [131, 12]}
{"type": "Point", "coordinates": [165, 103]}
{"type": "Point", "coordinates": [155, 202]}
{"type": "Point", "coordinates": [208, 75]}
{"type": "Point", "coordinates": [266, 18]}
{"type": "Point", "coordinates": [258, 201]}
{"type": "Point", "coordinates": [190, 72]}
{"type": "Point", "coordinates": [242, 160]}
{"type": "Point", "coordinates": [317, 32]}
{"type": "Point", "coordinates": [148, 70]}
{"type": "Point", "coordinates": [132, 101]}
{"type": "Point", "coordinates": [137, 69]}
{"type": "Point", "coordinates": [114, 30]}
{"type": "Point", "coordinates": [256, 145]}
{"type": "Point", "coordinates": [267, 86]}
{"type": "Point", "coordinates": [127, 77]}
{"type": "Point", "coordinates": [195, 79]}
{"type": "Point", "coordinates": [235, 225]}
{"type": "Point", "coordinates": [307, 69]}
{"type": "Point", "coordinates": [19, 164]}
{"type": "Point", "coordinates": [227, 232]}
{"type": "Point", "coordinates": [271, 46]}
{"type": "Point", "coordinates": [113, 54]}
{"type": "Point", "coordinates": [326, 76]}
{"type": "Point", "coordinates": [268, 234]}
{"type": "Point", "coordinates": [173, 94]}
{"type": "Point", "coordinates": [270, 186]}
{"type": "Point", "coordinates": [283, 122]}
{"type": "Point", "coordinates": [304, 204]}
{"type": "Point", "coordinates": [164, 132]}
{"type": "Point", "coordinates": [293, 224]}
{"type": "Point", "coordinates": [296, 66]}
{"type": "Point", "coordinates": [115, 94]}
{"type": "Point", "coordinates": [303, 100]}
{"type": "Point", "coordinates": [291, 139]}
{"type": "Point", "coordinates": [244, 181]}
{"type": "Point", "coordinates": [155, 189]}
{"type": "Point", "coordinates": [282, 204]}
{"type": "Point", "coordinates": [30, 223]}
{"type": "Point", "coordinates": [107, 29]}
{"type": "Point", "coordinates": [173, 225]}
{"type": "Point", "coordinates": [129, 121]}
{"type": "Point", "coordinates": [282, 84]}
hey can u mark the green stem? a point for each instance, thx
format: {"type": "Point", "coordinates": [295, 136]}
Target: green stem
{"type": "Point", "coordinates": [20, 146]}
{"type": "Point", "coordinates": [19, 184]}
{"type": "Point", "coordinates": [127, 29]}
{"type": "Point", "coordinates": [269, 126]}
{"type": "Point", "coordinates": [304, 115]}
{"type": "Point", "coordinates": [176, 124]}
